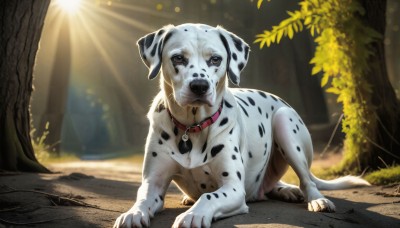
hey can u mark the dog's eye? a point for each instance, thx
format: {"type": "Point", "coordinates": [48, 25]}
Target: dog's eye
{"type": "Point", "coordinates": [215, 60]}
{"type": "Point", "coordinates": [178, 59]}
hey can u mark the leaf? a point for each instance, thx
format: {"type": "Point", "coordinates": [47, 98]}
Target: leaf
{"type": "Point", "coordinates": [279, 36]}
{"type": "Point", "coordinates": [333, 90]}
{"type": "Point", "coordinates": [290, 31]}
{"type": "Point", "coordinates": [316, 70]}
{"type": "Point", "coordinates": [259, 2]}
{"type": "Point", "coordinates": [324, 80]}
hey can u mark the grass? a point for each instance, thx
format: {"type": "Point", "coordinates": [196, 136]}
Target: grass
{"type": "Point", "coordinates": [384, 176]}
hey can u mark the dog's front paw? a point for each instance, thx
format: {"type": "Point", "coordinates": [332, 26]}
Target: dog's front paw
{"type": "Point", "coordinates": [192, 219]}
{"type": "Point", "coordinates": [133, 218]}
{"type": "Point", "coordinates": [321, 205]}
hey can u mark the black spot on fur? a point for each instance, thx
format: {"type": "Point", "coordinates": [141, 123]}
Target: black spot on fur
{"type": "Point", "coordinates": [164, 135]}
{"type": "Point", "coordinates": [227, 104]}
{"type": "Point", "coordinates": [246, 52]}
{"type": "Point", "coordinates": [154, 154]}
{"type": "Point", "coordinates": [301, 122]}
{"type": "Point", "coordinates": [204, 147]}
{"type": "Point", "coordinates": [161, 197]}
{"type": "Point", "coordinates": [273, 97]}
{"type": "Point", "coordinates": [208, 196]}
{"type": "Point", "coordinates": [175, 131]}
{"type": "Point", "coordinates": [202, 75]}
{"type": "Point", "coordinates": [238, 43]}
{"type": "Point", "coordinates": [240, 66]}
{"type": "Point", "coordinates": [298, 148]}
{"type": "Point", "coordinates": [216, 195]}
{"type": "Point", "coordinates": [160, 142]}
{"type": "Point", "coordinates": [294, 131]}
{"type": "Point", "coordinates": [291, 120]}
{"type": "Point", "coordinates": [297, 126]}
{"type": "Point", "coordinates": [266, 115]}
{"type": "Point", "coordinates": [172, 152]}
{"type": "Point", "coordinates": [234, 189]}
{"type": "Point", "coordinates": [234, 157]}
{"type": "Point", "coordinates": [272, 108]}
{"type": "Point", "coordinates": [216, 149]}
{"type": "Point", "coordinates": [225, 174]}
{"type": "Point", "coordinates": [263, 128]}
{"type": "Point", "coordinates": [244, 102]}
{"type": "Point", "coordinates": [244, 110]}
{"type": "Point", "coordinates": [205, 158]}
{"type": "Point", "coordinates": [160, 107]}
{"type": "Point", "coordinates": [195, 75]}
{"type": "Point", "coordinates": [234, 56]}
{"type": "Point", "coordinates": [231, 131]}
{"type": "Point", "coordinates": [223, 121]}
{"type": "Point", "coordinates": [224, 194]}
{"type": "Point", "coordinates": [156, 200]}
{"type": "Point", "coordinates": [260, 130]}
{"type": "Point", "coordinates": [236, 149]}
{"type": "Point", "coordinates": [251, 101]}
{"type": "Point", "coordinates": [191, 66]}
{"type": "Point", "coordinates": [258, 178]}
{"type": "Point", "coordinates": [250, 154]}
{"type": "Point", "coordinates": [259, 110]}
{"type": "Point", "coordinates": [239, 175]}
{"type": "Point", "coordinates": [262, 94]}
{"type": "Point", "coordinates": [149, 40]}
{"type": "Point", "coordinates": [283, 101]}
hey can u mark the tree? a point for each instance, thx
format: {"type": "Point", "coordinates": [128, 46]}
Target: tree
{"type": "Point", "coordinates": [350, 53]}
{"type": "Point", "coordinates": [21, 26]}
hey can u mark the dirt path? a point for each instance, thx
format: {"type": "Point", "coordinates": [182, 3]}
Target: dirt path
{"type": "Point", "coordinates": [112, 186]}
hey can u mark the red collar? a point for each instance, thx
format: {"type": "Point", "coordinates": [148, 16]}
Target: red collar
{"type": "Point", "coordinates": [197, 127]}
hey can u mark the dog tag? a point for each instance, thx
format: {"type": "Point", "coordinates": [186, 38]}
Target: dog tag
{"type": "Point", "coordinates": [185, 137]}
{"type": "Point", "coordinates": [185, 146]}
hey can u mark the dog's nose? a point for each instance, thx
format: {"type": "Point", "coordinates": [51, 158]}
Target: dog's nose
{"type": "Point", "coordinates": [199, 87]}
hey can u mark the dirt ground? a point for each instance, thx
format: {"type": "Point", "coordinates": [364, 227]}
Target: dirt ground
{"type": "Point", "coordinates": [94, 193]}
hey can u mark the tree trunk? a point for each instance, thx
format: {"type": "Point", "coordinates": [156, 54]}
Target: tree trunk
{"type": "Point", "coordinates": [382, 147]}
{"type": "Point", "coordinates": [21, 26]}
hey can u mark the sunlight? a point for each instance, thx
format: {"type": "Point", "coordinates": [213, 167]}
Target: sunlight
{"type": "Point", "coordinates": [70, 6]}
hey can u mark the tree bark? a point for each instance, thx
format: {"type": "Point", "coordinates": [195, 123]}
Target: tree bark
{"type": "Point", "coordinates": [381, 147]}
{"type": "Point", "coordinates": [21, 23]}
{"type": "Point", "coordinates": [384, 97]}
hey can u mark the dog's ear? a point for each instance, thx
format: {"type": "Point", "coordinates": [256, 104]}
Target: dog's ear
{"type": "Point", "coordinates": [151, 47]}
{"type": "Point", "coordinates": [238, 54]}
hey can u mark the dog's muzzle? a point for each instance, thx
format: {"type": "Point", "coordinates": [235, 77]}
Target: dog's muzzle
{"type": "Point", "coordinates": [199, 87]}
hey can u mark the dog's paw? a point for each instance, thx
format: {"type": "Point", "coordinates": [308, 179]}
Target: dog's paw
{"type": "Point", "coordinates": [288, 194]}
{"type": "Point", "coordinates": [321, 205]}
{"type": "Point", "coordinates": [133, 218]}
{"type": "Point", "coordinates": [187, 201]}
{"type": "Point", "coordinates": [192, 219]}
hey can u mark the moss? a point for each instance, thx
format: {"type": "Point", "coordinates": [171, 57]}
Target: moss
{"type": "Point", "coordinates": [385, 176]}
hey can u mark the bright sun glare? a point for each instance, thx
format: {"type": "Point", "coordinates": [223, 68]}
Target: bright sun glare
{"type": "Point", "coordinates": [70, 6]}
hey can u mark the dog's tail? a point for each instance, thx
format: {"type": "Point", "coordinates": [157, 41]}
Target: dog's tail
{"type": "Point", "coordinates": [339, 183]}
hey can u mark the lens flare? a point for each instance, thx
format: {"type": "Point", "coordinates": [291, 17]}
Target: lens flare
{"type": "Point", "coordinates": [70, 6]}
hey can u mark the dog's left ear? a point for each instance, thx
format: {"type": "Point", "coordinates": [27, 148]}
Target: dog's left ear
{"type": "Point", "coordinates": [238, 54]}
{"type": "Point", "coordinates": [150, 49]}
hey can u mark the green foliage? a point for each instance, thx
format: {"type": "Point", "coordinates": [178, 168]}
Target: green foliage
{"type": "Point", "coordinates": [388, 175]}
{"type": "Point", "coordinates": [41, 149]}
{"type": "Point", "coordinates": [343, 48]}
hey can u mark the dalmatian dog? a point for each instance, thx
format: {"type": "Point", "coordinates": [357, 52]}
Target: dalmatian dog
{"type": "Point", "coordinates": [221, 146]}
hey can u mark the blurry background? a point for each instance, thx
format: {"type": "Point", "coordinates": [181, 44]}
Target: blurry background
{"type": "Point", "coordinates": [91, 88]}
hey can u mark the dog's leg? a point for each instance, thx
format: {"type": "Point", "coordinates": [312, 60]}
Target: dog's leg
{"type": "Point", "coordinates": [157, 174]}
{"type": "Point", "coordinates": [226, 201]}
{"type": "Point", "coordinates": [286, 192]}
{"type": "Point", "coordinates": [295, 144]}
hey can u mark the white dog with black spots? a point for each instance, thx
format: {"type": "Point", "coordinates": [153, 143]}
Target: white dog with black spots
{"type": "Point", "coordinates": [222, 147]}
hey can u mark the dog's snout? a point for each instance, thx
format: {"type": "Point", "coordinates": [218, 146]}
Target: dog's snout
{"type": "Point", "coordinates": [199, 87]}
